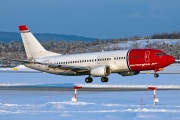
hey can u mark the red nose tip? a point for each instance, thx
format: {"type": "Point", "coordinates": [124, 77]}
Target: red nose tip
{"type": "Point", "coordinates": [171, 59]}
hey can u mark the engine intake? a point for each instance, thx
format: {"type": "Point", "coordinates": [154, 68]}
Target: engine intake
{"type": "Point", "coordinates": [100, 71]}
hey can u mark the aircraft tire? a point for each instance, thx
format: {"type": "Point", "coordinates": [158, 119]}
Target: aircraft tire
{"type": "Point", "coordinates": [104, 79]}
{"type": "Point", "coordinates": [88, 80]}
{"type": "Point", "coordinates": [156, 75]}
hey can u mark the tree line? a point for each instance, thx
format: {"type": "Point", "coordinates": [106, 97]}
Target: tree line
{"type": "Point", "coordinates": [15, 50]}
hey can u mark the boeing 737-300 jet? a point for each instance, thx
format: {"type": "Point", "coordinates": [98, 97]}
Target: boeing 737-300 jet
{"type": "Point", "coordinates": [96, 64]}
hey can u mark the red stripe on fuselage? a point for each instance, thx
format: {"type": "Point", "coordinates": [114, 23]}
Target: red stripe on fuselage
{"type": "Point", "coordinates": [143, 59]}
{"type": "Point", "coordinates": [148, 59]}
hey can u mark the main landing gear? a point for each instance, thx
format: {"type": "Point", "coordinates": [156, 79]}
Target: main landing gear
{"type": "Point", "coordinates": [156, 75]}
{"type": "Point", "coordinates": [104, 79]}
{"type": "Point", "coordinates": [89, 79]}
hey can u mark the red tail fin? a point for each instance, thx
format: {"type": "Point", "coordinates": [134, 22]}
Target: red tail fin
{"type": "Point", "coordinates": [23, 28]}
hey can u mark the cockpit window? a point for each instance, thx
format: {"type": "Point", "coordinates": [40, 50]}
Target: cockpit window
{"type": "Point", "coordinates": [159, 54]}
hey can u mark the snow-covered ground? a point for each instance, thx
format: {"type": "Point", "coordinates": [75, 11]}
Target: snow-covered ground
{"type": "Point", "coordinates": [19, 68]}
{"type": "Point", "coordinates": [171, 69]}
{"type": "Point", "coordinates": [144, 43]}
{"type": "Point", "coordinates": [94, 105]}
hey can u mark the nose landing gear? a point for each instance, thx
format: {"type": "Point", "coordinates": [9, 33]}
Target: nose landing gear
{"type": "Point", "coordinates": [156, 75]}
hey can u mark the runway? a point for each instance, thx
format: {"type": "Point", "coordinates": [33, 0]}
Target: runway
{"type": "Point", "coordinates": [84, 87]}
{"type": "Point", "coordinates": [47, 96]}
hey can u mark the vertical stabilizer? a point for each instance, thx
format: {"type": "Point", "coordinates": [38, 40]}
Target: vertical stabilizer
{"type": "Point", "coordinates": [32, 46]}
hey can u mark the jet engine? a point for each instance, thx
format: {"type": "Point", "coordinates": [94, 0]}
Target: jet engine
{"type": "Point", "coordinates": [100, 71]}
{"type": "Point", "coordinates": [130, 73]}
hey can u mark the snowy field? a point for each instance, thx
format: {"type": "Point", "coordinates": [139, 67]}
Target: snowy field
{"type": "Point", "coordinates": [55, 105]}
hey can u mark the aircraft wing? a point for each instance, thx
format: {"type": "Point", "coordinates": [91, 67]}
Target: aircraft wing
{"type": "Point", "coordinates": [50, 65]}
{"type": "Point", "coordinates": [67, 67]}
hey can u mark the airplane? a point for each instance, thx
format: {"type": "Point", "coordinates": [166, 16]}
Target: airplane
{"type": "Point", "coordinates": [96, 64]}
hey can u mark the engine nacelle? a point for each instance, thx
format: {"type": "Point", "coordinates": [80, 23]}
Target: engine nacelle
{"type": "Point", "coordinates": [130, 73]}
{"type": "Point", "coordinates": [100, 71]}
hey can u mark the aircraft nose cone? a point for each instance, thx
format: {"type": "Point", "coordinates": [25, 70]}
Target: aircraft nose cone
{"type": "Point", "coordinates": [171, 59]}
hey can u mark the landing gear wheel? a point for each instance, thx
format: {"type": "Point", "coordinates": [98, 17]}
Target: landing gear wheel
{"type": "Point", "coordinates": [88, 80]}
{"type": "Point", "coordinates": [104, 79]}
{"type": "Point", "coordinates": [156, 75]}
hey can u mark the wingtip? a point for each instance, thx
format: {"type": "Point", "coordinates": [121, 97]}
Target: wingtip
{"type": "Point", "coordinates": [23, 27]}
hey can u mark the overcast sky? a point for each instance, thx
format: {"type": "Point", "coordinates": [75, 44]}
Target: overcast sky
{"type": "Point", "coordinates": [91, 18]}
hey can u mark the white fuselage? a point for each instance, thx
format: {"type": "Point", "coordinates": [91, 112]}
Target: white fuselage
{"type": "Point", "coordinates": [89, 60]}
